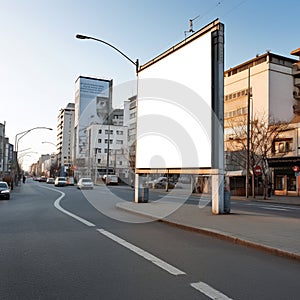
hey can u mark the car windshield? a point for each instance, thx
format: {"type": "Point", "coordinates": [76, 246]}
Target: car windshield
{"type": "Point", "coordinates": [3, 185]}
{"type": "Point", "coordinates": [86, 180]}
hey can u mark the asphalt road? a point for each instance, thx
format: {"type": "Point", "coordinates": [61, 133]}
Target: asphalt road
{"type": "Point", "coordinates": [61, 243]}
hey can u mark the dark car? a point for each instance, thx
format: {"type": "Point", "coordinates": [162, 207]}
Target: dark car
{"type": "Point", "coordinates": [4, 190]}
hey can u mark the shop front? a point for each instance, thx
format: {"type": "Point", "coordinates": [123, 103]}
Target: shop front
{"type": "Point", "coordinates": [285, 181]}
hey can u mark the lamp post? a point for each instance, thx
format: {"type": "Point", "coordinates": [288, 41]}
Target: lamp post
{"type": "Point", "coordinates": [49, 143]}
{"type": "Point", "coordinates": [17, 140]}
{"type": "Point", "coordinates": [84, 37]}
{"type": "Point", "coordinates": [23, 133]}
{"type": "Point", "coordinates": [135, 63]}
{"type": "Point", "coordinates": [248, 135]}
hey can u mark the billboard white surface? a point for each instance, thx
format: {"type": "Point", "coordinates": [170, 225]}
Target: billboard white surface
{"type": "Point", "coordinates": [174, 108]}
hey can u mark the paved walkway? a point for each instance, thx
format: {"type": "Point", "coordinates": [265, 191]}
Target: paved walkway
{"type": "Point", "coordinates": [279, 235]}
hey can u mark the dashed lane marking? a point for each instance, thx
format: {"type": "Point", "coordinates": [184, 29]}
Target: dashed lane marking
{"type": "Point", "coordinates": [209, 291]}
{"type": "Point", "coordinates": [160, 263]}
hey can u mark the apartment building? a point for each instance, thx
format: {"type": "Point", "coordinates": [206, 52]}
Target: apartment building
{"type": "Point", "coordinates": [65, 138]}
{"type": "Point", "coordinates": [269, 80]}
{"type": "Point", "coordinates": [107, 151]}
{"type": "Point", "coordinates": [93, 105]}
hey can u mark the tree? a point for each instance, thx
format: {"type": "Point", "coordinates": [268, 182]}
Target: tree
{"type": "Point", "coordinates": [263, 133]}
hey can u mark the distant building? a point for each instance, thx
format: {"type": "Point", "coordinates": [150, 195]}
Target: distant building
{"type": "Point", "coordinates": [93, 105]}
{"type": "Point", "coordinates": [65, 137]}
{"type": "Point", "coordinates": [107, 151]}
{"type": "Point", "coordinates": [130, 120]}
{"type": "Point", "coordinates": [2, 148]}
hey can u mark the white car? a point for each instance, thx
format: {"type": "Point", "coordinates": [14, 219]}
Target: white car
{"type": "Point", "coordinates": [112, 179]}
{"type": "Point", "coordinates": [60, 181]}
{"type": "Point", "coordinates": [85, 183]}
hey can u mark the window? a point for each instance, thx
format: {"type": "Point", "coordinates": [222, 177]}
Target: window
{"type": "Point", "coordinates": [100, 131]}
{"type": "Point", "coordinates": [111, 131]}
{"type": "Point", "coordinates": [119, 142]}
{"type": "Point", "coordinates": [282, 146]}
{"type": "Point", "coordinates": [119, 132]}
{"type": "Point", "coordinates": [99, 141]}
{"type": "Point", "coordinates": [291, 183]}
{"type": "Point", "coordinates": [110, 141]}
{"type": "Point", "coordinates": [99, 160]}
{"type": "Point", "coordinates": [279, 182]}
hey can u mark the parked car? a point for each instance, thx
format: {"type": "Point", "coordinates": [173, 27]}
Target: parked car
{"type": "Point", "coordinates": [43, 179]}
{"type": "Point", "coordinates": [111, 179]}
{"type": "Point", "coordinates": [85, 183]}
{"type": "Point", "coordinates": [160, 183]}
{"type": "Point", "coordinates": [50, 180]}
{"type": "Point", "coordinates": [70, 180]}
{"type": "Point", "coordinates": [4, 190]}
{"type": "Point", "coordinates": [60, 181]}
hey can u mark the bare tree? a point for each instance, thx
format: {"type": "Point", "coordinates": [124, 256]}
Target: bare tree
{"type": "Point", "coordinates": [263, 133]}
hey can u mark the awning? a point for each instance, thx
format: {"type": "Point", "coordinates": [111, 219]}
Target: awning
{"type": "Point", "coordinates": [236, 173]}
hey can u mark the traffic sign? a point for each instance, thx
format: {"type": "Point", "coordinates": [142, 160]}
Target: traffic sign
{"type": "Point", "coordinates": [257, 170]}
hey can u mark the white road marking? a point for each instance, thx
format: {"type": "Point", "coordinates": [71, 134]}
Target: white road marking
{"type": "Point", "coordinates": [209, 291]}
{"type": "Point", "coordinates": [273, 208]}
{"type": "Point", "coordinates": [57, 205]}
{"type": "Point", "coordinates": [160, 263]}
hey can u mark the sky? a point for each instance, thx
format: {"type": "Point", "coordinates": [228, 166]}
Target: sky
{"type": "Point", "coordinates": [40, 58]}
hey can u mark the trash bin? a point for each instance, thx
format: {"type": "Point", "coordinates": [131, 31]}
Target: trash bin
{"type": "Point", "coordinates": [143, 195]}
{"type": "Point", "coordinates": [227, 202]}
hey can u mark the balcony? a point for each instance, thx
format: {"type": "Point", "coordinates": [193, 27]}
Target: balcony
{"type": "Point", "coordinates": [296, 69]}
{"type": "Point", "coordinates": [296, 108]}
{"type": "Point", "coordinates": [297, 81]}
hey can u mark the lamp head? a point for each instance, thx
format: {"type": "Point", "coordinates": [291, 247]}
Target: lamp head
{"type": "Point", "coordinates": [81, 37]}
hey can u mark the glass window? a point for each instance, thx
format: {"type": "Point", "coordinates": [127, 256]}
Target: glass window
{"type": "Point", "coordinates": [279, 182]}
{"type": "Point", "coordinates": [291, 183]}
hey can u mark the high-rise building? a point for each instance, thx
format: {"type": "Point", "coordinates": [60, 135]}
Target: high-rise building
{"type": "Point", "coordinates": [93, 105]}
{"type": "Point", "coordinates": [65, 137]}
{"type": "Point", "coordinates": [2, 148]}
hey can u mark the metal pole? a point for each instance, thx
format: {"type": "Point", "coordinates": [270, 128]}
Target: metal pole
{"type": "Point", "coordinates": [248, 135]}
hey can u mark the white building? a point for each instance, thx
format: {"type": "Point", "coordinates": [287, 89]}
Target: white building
{"type": "Point", "coordinates": [65, 137]}
{"type": "Point", "coordinates": [107, 151]}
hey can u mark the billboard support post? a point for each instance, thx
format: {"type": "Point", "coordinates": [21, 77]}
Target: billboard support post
{"type": "Point", "coordinates": [218, 120]}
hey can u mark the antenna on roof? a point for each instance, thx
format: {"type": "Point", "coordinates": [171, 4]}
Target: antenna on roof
{"type": "Point", "coordinates": [191, 26]}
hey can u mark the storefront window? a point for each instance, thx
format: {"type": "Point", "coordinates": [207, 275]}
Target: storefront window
{"type": "Point", "coordinates": [291, 183]}
{"type": "Point", "coordinates": [279, 182]}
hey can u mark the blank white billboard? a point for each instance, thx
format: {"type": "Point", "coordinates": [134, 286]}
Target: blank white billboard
{"type": "Point", "coordinates": [174, 108]}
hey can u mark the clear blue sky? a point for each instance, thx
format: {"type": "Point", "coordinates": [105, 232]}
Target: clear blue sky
{"type": "Point", "coordinates": [40, 58]}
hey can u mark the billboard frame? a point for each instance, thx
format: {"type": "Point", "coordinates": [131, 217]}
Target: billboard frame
{"type": "Point", "coordinates": [216, 28]}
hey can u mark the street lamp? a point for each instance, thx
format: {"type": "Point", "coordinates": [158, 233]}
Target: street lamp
{"type": "Point", "coordinates": [23, 133]}
{"type": "Point", "coordinates": [135, 63]}
{"type": "Point", "coordinates": [49, 143]}
{"type": "Point", "coordinates": [17, 139]}
{"type": "Point", "coordinates": [84, 37]}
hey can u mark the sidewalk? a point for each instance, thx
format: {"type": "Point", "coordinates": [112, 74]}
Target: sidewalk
{"type": "Point", "coordinates": [278, 235]}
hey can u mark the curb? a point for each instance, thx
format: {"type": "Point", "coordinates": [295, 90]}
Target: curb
{"type": "Point", "coordinates": [221, 235]}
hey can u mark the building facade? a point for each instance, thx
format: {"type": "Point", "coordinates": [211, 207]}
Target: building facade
{"type": "Point", "coordinates": [285, 161]}
{"type": "Point", "coordinates": [65, 138]}
{"type": "Point", "coordinates": [261, 86]}
{"type": "Point", "coordinates": [93, 103]}
{"type": "Point", "coordinates": [107, 151]}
